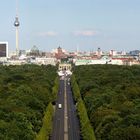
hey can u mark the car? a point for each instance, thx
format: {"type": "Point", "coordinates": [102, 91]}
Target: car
{"type": "Point", "coordinates": [59, 106]}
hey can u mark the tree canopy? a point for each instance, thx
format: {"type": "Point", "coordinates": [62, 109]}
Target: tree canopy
{"type": "Point", "coordinates": [25, 92]}
{"type": "Point", "coordinates": [111, 95]}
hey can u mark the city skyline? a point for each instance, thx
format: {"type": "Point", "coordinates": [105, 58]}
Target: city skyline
{"type": "Point", "coordinates": [72, 24]}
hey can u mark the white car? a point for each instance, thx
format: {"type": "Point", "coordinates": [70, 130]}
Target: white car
{"type": "Point", "coordinates": [60, 106]}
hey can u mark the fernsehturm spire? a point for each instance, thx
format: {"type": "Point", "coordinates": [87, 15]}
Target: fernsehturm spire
{"type": "Point", "coordinates": [16, 24]}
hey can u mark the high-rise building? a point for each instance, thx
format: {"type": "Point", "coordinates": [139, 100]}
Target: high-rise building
{"type": "Point", "coordinates": [3, 49]}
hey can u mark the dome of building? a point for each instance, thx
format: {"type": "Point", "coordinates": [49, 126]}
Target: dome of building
{"type": "Point", "coordinates": [34, 51]}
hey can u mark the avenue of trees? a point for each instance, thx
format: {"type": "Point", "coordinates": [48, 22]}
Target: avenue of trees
{"type": "Point", "coordinates": [26, 93]}
{"type": "Point", "coordinates": [87, 132]}
{"type": "Point", "coordinates": [111, 95]}
{"type": "Point", "coordinates": [46, 128]}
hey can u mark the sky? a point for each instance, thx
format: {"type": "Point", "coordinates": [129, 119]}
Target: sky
{"type": "Point", "coordinates": [72, 24]}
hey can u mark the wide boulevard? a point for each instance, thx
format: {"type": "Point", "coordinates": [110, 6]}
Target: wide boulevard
{"type": "Point", "coordinates": [65, 122]}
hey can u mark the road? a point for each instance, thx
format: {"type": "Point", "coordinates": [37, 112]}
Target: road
{"type": "Point", "coordinates": [73, 122]}
{"type": "Point", "coordinates": [58, 120]}
{"type": "Point", "coordinates": [65, 122]}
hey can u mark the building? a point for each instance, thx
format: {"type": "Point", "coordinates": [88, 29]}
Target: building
{"type": "Point", "coordinates": [3, 50]}
{"type": "Point", "coordinates": [134, 53]}
{"type": "Point", "coordinates": [45, 61]}
{"type": "Point", "coordinates": [60, 54]}
{"type": "Point", "coordinates": [65, 66]}
{"type": "Point", "coordinates": [34, 51]}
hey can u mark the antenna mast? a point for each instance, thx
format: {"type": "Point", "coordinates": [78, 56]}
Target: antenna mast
{"type": "Point", "coordinates": [16, 24]}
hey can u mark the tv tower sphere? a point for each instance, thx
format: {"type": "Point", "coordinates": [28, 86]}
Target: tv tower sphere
{"type": "Point", "coordinates": [16, 23]}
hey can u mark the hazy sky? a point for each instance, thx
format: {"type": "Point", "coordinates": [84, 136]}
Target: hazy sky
{"type": "Point", "coordinates": [86, 24]}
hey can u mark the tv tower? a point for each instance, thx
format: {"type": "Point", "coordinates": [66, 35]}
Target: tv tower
{"type": "Point", "coordinates": [16, 24]}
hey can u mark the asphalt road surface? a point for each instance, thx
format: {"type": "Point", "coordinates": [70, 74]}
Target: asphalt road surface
{"type": "Point", "coordinates": [58, 120]}
{"type": "Point", "coordinates": [73, 122]}
{"type": "Point", "coordinates": [65, 122]}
